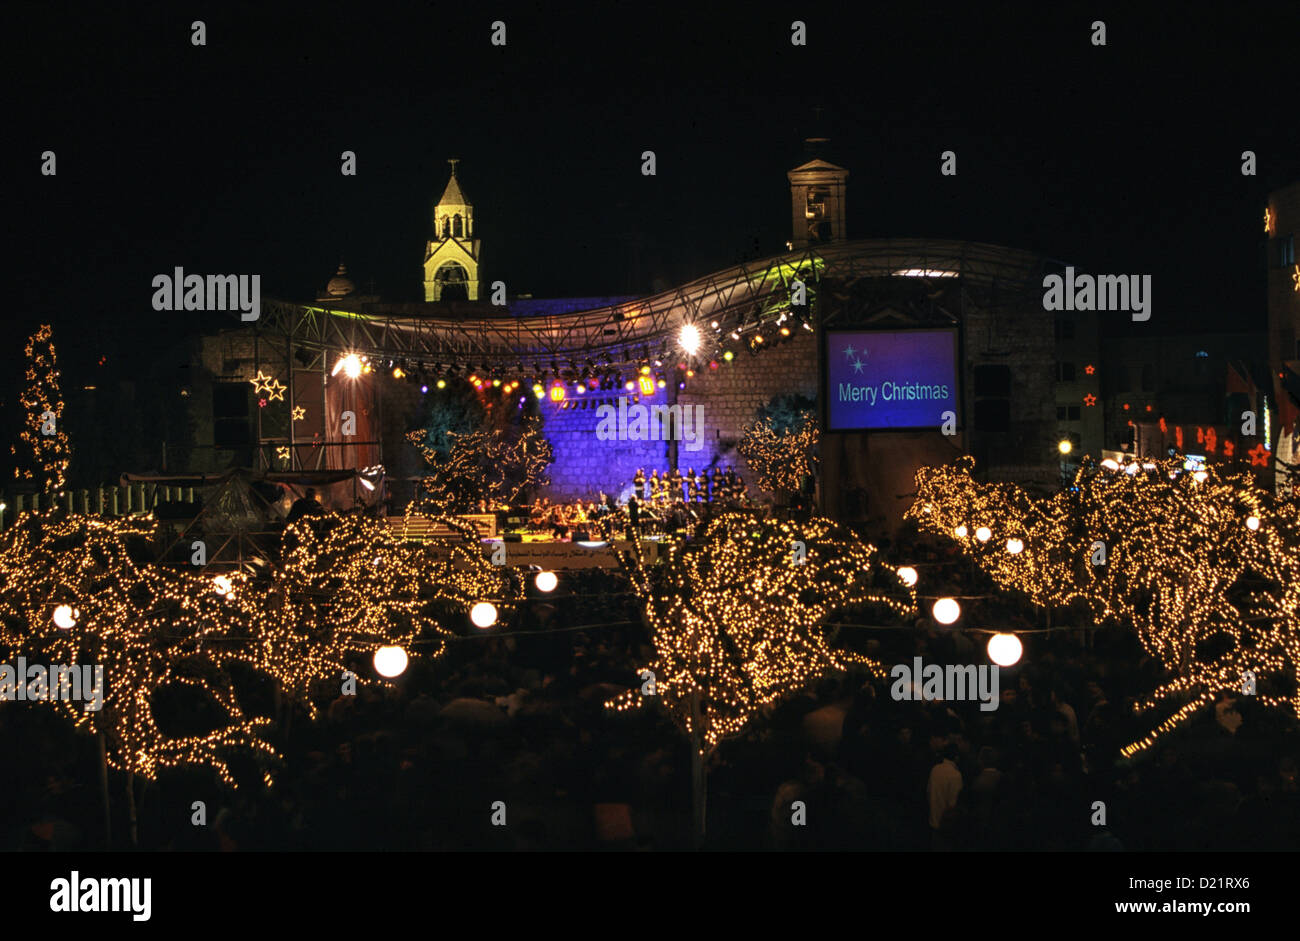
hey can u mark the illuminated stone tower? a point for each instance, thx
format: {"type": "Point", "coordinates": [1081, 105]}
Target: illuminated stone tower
{"type": "Point", "coordinates": [451, 256]}
{"type": "Point", "coordinates": [817, 193]}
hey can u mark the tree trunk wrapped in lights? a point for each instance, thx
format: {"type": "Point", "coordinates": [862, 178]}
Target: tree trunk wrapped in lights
{"type": "Point", "coordinates": [482, 465]}
{"type": "Point", "coordinates": [737, 619]}
{"type": "Point", "coordinates": [42, 404]}
{"type": "Point", "coordinates": [1205, 566]}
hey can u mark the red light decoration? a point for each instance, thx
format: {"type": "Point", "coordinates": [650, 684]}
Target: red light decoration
{"type": "Point", "coordinates": [1090, 400]}
{"type": "Point", "coordinates": [1090, 369]}
{"type": "Point", "coordinates": [1258, 455]}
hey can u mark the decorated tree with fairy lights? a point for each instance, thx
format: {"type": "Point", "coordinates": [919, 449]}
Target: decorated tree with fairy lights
{"type": "Point", "coordinates": [1204, 566]}
{"type": "Point", "coordinates": [42, 404]}
{"type": "Point", "coordinates": [737, 617]}
{"type": "Point", "coordinates": [782, 457]}
{"type": "Point", "coordinates": [71, 593]}
{"type": "Point", "coordinates": [349, 585]}
{"type": "Point", "coordinates": [489, 466]}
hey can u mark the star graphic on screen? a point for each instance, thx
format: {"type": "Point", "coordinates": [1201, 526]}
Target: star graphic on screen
{"type": "Point", "coordinates": [857, 365]}
{"type": "Point", "coordinates": [849, 351]}
{"type": "Point", "coordinates": [1089, 399]}
{"type": "Point", "coordinates": [299, 413]}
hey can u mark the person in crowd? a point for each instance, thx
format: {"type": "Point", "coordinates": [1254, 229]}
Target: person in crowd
{"type": "Point", "coordinates": [307, 505]}
{"type": "Point", "coordinates": [943, 790]}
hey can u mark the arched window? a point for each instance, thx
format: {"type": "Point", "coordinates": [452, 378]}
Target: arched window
{"type": "Point", "coordinates": [456, 227]}
{"type": "Point", "coordinates": [446, 227]}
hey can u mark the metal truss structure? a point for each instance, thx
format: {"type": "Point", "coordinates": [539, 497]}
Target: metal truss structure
{"type": "Point", "coordinates": [729, 302]}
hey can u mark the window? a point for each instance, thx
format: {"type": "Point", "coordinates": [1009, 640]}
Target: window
{"type": "Point", "coordinates": [992, 398]}
{"type": "Point", "coordinates": [230, 426]}
{"type": "Point", "coordinates": [992, 382]}
{"type": "Point", "coordinates": [1060, 413]}
{"type": "Point", "coordinates": [456, 226]}
{"type": "Point", "coordinates": [1075, 412]}
{"type": "Point", "coordinates": [993, 415]}
{"type": "Point", "coordinates": [1067, 413]}
{"type": "Point", "coordinates": [1065, 372]}
{"type": "Point", "coordinates": [1285, 251]}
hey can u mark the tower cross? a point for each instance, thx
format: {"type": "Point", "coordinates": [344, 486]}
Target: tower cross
{"type": "Point", "coordinates": [453, 163]}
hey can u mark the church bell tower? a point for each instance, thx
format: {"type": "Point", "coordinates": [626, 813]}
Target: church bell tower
{"type": "Point", "coordinates": [817, 194]}
{"type": "Point", "coordinates": [451, 256]}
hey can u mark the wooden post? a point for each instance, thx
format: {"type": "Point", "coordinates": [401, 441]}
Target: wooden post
{"type": "Point", "coordinates": [115, 493]}
{"type": "Point", "coordinates": [103, 790]}
{"type": "Point", "coordinates": [699, 775]}
{"type": "Point", "coordinates": [130, 805]}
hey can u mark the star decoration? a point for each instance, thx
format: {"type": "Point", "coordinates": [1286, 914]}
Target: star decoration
{"type": "Point", "coordinates": [1258, 455]}
{"type": "Point", "coordinates": [282, 453]}
{"type": "Point", "coordinates": [273, 388]}
{"type": "Point", "coordinates": [299, 413]}
{"type": "Point", "coordinates": [849, 351]}
{"type": "Point", "coordinates": [1090, 400]}
{"type": "Point", "coordinates": [1090, 369]}
{"type": "Point", "coordinates": [1296, 277]}
{"type": "Point", "coordinates": [1268, 221]}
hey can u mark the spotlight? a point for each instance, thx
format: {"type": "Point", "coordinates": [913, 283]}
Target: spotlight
{"type": "Point", "coordinates": [546, 581]}
{"type": "Point", "coordinates": [983, 534]}
{"type": "Point", "coordinates": [65, 617]}
{"type": "Point", "coordinates": [690, 338]}
{"type": "Point", "coordinates": [908, 576]}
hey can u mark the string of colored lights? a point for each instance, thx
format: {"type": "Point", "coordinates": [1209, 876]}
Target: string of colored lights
{"type": "Point", "coordinates": [1204, 566]}
{"type": "Point", "coordinates": [43, 404]}
{"type": "Point", "coordinates": [736, 616]}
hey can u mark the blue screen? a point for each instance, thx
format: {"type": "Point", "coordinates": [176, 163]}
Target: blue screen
{"type": "Point", "coordinates": [876, 379]}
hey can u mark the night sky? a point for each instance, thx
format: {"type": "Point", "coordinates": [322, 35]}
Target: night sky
{"type": "Point", "coordinates": [225, 158]}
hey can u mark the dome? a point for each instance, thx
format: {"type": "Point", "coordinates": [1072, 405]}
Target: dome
{"type": "Point", "coordinates": [340, 285]}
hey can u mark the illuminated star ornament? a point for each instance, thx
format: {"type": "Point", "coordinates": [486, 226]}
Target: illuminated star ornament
{"type": "Point", "coordinates": [273, 388]}
{"type": "Point", "coordinates": [1090, 369]}
{"type": "Point", "coordinates": [282, 453]}
{"type": "Point", "coordinates": [1258, 456]}
{"type": "Point", "coordinates": [1268, 221]}
{"type": "Point", "coordinates": [299, 413]}
{"type": "Point", "coordinates": [1089, 400]}
{"type": "Point", "coordinates": [1296, 278]}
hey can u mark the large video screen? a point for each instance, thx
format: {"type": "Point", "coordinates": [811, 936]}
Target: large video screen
{"type": "Point", "coordinates": [904, 379]}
